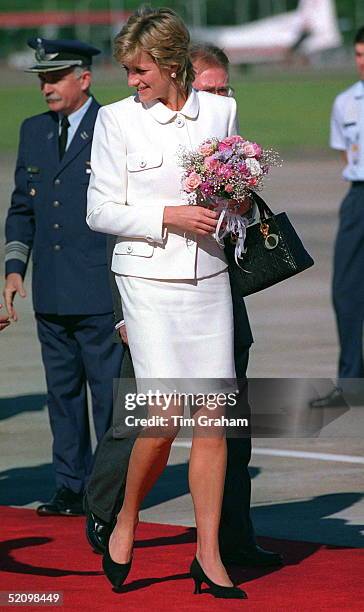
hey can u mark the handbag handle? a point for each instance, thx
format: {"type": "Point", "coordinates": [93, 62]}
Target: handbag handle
{"type": "Point", "coordinates": [264, 210]}
{"type": "Point", "coordinates": [264, 213]}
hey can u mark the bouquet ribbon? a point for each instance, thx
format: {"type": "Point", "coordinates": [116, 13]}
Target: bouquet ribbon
{"type": "Point", "coordinates": [231, 223]}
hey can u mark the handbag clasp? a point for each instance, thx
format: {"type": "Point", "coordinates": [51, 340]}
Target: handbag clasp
{"type": "Point", "coordinates": [270, 240]}
{"type": "Point", "coordinates": [264, 228]}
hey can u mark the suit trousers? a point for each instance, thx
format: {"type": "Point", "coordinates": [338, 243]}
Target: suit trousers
{"type": "Point", "coordinates": [105, 488]}
{"type": "Point", "coordinates": [77, 349]}
{"type": "Point", "coordinates": [348, 285]}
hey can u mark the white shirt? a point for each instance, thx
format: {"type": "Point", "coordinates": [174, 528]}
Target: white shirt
{"type": "Point", "coordinates": [347, 130]}
{"type": "Point", "coordinates": [74, 120]}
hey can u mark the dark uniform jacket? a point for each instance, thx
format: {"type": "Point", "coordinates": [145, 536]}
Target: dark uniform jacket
{"type": "Point", "coordinates": [48, 217]}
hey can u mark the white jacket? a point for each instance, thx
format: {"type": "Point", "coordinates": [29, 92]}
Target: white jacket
{"type": "Point", "coordinates": [135, 174]}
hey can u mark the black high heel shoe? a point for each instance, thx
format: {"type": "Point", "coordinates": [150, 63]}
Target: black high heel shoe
{"type": "Point", "coordinates": [117, 573]}
{"type": "Point", "coordinates": [223, 592]}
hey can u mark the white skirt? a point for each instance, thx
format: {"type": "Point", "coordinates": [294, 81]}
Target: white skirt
{"type": "Point", "coordinates": [180, 329]}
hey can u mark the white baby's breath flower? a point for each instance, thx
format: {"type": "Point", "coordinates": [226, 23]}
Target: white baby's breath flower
{"type": "Point", "coordinates": [189, 198]}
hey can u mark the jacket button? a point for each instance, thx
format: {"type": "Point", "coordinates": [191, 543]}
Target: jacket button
{"type": "Point", "coordinates": [180, 121]}
{"type": "Point", "coordinates": [32, 191]}
{"type": "Point", "coordinates": [57, 182]}
{"type": "Point", "coordinates": [129, 249]}
{"type": "Point", "coordinates": [56, 226]}
{"type": "Point", "coordinates": [142, 163]}
{"type": "Point", "coordinates": [56, 203]}
{"type": "Point", "coordinates": [57, 247]}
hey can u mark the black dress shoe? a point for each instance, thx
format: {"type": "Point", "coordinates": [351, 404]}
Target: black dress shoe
{"type": "Point", "coordinates": [334, 399]}
{"type": "Point", "coordinates": [63, 503]}
{"type": "Point", "coordinates": [117, 573]}
{"type": "Point", "coordinates": [217, 590]}
{"type": "Point", "coordinates": [254, 556]}
{"type": "Point", "coordinates": [97, 531]}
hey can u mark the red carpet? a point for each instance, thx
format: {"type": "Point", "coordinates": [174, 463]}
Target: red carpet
{"type": "Point", "coordinates": [51, 554]}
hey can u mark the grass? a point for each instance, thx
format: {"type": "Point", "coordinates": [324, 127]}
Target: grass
{"type": "Point", "coordinates": [289, 114]}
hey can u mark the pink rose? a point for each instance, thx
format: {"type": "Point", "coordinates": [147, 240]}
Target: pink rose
{"type": "Point", "coordinates": [224, 146]}
{"type": "Point", "coordinates": [211, 164]}
{"type": "Point", "coordinates": [248, 149]}
{"type": "Point", "coordinates": [192, 181]}
{"type": "Point", "coordinates": [258, 150]}
{"type": "Point", "coordinates": [206, 149]}
{"type": "Point", "coordinates": [231, 140]}
{"type": "Point", "coordinates": [229, 188]}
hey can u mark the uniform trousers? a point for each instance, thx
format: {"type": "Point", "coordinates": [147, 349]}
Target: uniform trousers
{"type": "Point", "coordinates": [77, 349]}
{"type": "Point", "coordinates": [348, 283]}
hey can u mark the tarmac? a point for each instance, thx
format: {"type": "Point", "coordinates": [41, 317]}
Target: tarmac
{"type": "Point", "coordinates": [307, 482]}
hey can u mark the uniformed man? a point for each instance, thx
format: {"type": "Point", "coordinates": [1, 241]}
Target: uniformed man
{"type": "Point", "coordinates": [106, 485]}
{"type": "Point", "coordinates": [347, 135]}
{"type": "Point", "coordinates": [71, 292]}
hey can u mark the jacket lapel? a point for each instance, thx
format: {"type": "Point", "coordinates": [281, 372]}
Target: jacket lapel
{"type": "Point", "coordinates": [82, 137]}
{"type": "Point", "coordinates": [51, 140]}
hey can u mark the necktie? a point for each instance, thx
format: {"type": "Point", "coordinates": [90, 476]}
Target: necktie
{"type": "Point", "coordinates": [62, 140]}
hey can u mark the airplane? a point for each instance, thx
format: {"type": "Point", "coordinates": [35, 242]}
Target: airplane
{"type": "Point", "coordinates": [311, 28]}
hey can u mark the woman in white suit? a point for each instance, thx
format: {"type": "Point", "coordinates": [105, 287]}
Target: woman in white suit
{"type": "Point", "coordinates": [171, 273]}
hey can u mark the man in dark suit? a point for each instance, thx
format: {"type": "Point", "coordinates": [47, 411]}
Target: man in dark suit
{"type": "Point", "coordinates": [71, 292]}
{"type": "Point", "coordinates": [105, 489]}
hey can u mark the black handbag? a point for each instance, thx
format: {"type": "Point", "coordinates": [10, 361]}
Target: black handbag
{"type": "Point", "coordinates": [274, 252]}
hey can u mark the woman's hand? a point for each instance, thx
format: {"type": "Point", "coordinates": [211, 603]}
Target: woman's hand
{"type": "Point", "coordinates": [195, 219]}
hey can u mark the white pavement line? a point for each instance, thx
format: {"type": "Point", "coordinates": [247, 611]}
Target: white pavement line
{"type": "Point", "coordinates": [183, 443]}
{"type": "Point", "coordinates": [274, 452]}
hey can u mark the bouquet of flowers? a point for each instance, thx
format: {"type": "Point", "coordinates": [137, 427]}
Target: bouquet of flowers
{"type": "Point", "coordinates": [221, 174]}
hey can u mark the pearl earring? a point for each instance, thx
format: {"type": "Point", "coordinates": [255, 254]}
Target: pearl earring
{"type": "Point", "coordinates": [173, 75]}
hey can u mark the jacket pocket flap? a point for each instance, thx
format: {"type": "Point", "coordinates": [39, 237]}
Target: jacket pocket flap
{"type": "Point", "coordinates": [35, 178]}
{"type": "Point", "coordinates": [140, 248]}
{"type": "Point", "coordinates": [143, 160]}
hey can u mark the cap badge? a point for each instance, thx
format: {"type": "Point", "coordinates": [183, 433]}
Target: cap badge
{"type": "Point", "coordinates": [40, 53]}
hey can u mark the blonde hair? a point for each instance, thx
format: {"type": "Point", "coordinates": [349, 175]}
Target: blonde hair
{"type": "Point", "coordinates": [162, 34]}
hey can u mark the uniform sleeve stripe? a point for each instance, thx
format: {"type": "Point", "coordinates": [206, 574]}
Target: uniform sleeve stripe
{"type": "Point", "coordinates": [16, 250]}
{"type": "Point", "coordinates": [19, 257]}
